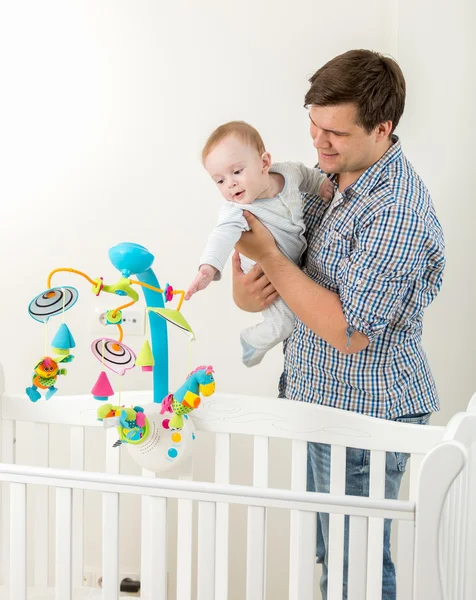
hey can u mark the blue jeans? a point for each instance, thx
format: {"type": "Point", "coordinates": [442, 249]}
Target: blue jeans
{"type": "Point", "coordinates": [357, 484]}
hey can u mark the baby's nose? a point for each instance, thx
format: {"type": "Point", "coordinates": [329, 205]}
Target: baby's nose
{"type": "Point", "coordinates": [232, 184]}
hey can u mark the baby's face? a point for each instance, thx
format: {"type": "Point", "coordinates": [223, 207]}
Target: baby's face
{"type": "Point", "coordinates": [240, 173]}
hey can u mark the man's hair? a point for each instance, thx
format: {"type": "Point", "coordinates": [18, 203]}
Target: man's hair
{"type": "Point", "coordinates": [243, 131]}
{"type": "Point", "coordinates": [371, 81]}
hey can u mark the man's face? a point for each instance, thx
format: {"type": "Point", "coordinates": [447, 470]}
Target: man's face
{"type": "Point", "coordinates": [342, 145]}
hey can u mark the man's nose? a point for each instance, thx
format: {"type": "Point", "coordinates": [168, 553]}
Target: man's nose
{"type": "Point", "coordinates": [321, 140]}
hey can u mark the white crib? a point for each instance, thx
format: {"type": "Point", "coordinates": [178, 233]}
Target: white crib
{"type": "Point", "coordinates": [434, 528]}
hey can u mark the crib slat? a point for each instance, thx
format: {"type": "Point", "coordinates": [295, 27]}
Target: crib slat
{"type": "Point", "coordinates": [206, 551]}
{"type": "Point", "coordinates": [42, 508]}
{"type": "Point", "coordinates": [222, 475]}
{"type": "Point", "coordinates": [18, 573]}
{"type": "Point", "coordinates": [110, 545]}
{"type": "Point", "coordinates": [304, 586]}
{"type": "Point", "coordinates": [376, 524]}
{"type": "Point", "coordinates": [184, 545]}
{"type": "Point", "coordinates": [146, 569]}
{"type": "Point", "coordinates": [469, 583]}
{"type": "Point", "coordinates": [406, 539]}
{"type": "Point", "coordinates": [113, 455]}
{"type": "Point", "coordinates": [456, 573]}
{"type": "Point", "coordinates": [8, 456]}
{"type": "Point", "coordinates": [256, 542]}
{"type": "Point", "coordinates": [357, 577]}
{"type": "Point", "coordinates": [77, 463]}
{"type": "Point", "coordinates": [158, 549]}
{"type": "Point", "coordinates": [302, 546]}
{"type": "Point", "coordinates": [153, 545]}
{"type": "Point", "coordinates": [64, 544]}
{"type": "Point", "coordinates": [336, 526]}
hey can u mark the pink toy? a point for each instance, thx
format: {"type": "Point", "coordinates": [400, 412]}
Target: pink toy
{"type": "Point", "coordinates": [167, 404]}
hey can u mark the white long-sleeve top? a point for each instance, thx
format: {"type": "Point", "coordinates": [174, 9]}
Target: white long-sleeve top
{"type": "Point", "coordinates": [282, 215]}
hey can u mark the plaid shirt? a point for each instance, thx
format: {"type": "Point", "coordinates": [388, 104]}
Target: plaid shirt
{"type": "Point", "coordinates": [378, 245]}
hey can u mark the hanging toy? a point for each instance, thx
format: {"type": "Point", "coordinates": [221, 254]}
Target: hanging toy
{"type": "Point", "coordinates": [145, 358]}
{"type": "Point", "coordinates": [102, 389]}
{"type": "Point", "coordinates": [52, 302]}
{"type": "Point", "coordinates": [114, 355]}
{"type": "Point", "coordinates": [161, 436]}
{"type": "Point", "coordinates": [45, 374]}
{"type": "Point", "coordinates": [63, 340]}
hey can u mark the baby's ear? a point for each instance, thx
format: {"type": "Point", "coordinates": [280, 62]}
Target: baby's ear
{"type": "Point", "coordinates": [266, 161]}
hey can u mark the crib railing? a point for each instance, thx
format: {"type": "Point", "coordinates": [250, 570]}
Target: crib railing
{"type": "Point", "coordinates": [209, 496]}
{"type": "Point", "coordinates": [263, 419]}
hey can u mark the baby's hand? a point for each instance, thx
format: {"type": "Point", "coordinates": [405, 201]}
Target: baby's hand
{"type": "Point", "coordinates": [326, 189]}
{"type": "Point", "coordinates": [203, 278]}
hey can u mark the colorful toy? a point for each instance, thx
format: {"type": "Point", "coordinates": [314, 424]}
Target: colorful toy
{"type": "Point", "coordinates": [160, 441]}
{"type": "Point", "coordinates": [165, 440]}
{"type": "Point", "coordinates": [145, 358]}
{"type": "Point", "coordinates": [131, 423]}
{"type": "Point", "coordinates": [45, 374]}
{"type": "Point", "coordinates": [102, 389]}
{"type": "Point", "coordinates": [187, 397]}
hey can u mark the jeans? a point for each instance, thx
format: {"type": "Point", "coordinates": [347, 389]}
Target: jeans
{"type": "Point", "coordinates": [357, 484]}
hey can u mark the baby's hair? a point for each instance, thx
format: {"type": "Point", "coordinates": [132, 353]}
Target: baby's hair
{"type": "Point", "coordinates": [243, 131]}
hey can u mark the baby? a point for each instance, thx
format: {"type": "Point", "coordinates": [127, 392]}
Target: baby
{"type": "Point", "coordinates": [235, 157]}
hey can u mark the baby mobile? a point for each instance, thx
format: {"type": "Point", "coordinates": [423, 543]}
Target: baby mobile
{"type": "Point", "coordinates": [158, 436]}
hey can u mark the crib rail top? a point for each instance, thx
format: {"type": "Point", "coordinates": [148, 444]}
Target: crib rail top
{"type": "Point", "coordinates": [249, 415]}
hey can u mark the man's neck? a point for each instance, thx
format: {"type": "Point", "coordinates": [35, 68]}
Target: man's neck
{"type": "Point", "coordinates": [348, 178]}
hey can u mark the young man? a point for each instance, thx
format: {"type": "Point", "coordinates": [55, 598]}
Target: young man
{"type": "Point", "coordinates": [374, 262]}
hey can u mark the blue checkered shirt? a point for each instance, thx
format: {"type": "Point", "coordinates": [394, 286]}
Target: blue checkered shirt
{"type": "Point", "coordinates": [378, 245]}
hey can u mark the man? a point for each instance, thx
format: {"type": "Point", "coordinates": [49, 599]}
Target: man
{"type": "Point", "coordinates": [374, 262]}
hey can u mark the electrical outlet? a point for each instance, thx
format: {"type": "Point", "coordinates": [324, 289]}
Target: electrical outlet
{"type": "Point", "coordinates": [133, 322]}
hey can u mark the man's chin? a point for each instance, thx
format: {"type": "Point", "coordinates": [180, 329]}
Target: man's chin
{"type": "Point", "coordinates": [329, 164]}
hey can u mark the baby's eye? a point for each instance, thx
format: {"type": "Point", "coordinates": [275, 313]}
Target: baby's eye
{"type": "Point", "coordinates": [220, 181]}
{"type": "Point", "coordinates": [238, 172]}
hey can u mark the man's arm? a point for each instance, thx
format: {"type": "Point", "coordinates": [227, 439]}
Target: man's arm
{"type": "Point", "coordinates": [317, 307]}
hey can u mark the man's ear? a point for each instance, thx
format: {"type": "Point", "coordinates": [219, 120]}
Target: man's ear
{"type": "Point", "coordinates": [265, 162]}
{"type": "Point", "coordinates": [383, 130]}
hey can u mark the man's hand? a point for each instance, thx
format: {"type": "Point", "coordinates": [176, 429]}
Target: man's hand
{"type": "Point", "coordinates": [257, 244]}
{"type": "Point", "coordinates": [203, 278]}
{"type": "Point", "coordinates": [252, 291]}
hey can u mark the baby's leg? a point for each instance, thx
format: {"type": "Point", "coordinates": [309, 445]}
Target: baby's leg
{"type": "Point", "coordinates": [277, 325]}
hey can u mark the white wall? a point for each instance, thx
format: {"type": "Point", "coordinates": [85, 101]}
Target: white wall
{"type": "Point", "coordinates": [436, 51]}
{"type": "Point", "coordinates": [105, 108]}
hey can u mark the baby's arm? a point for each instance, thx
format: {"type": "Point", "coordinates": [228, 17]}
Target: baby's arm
{"type": "Point", "coordinates": [230, 226]}
{"type": "Point", "coordinates": [315, 182]}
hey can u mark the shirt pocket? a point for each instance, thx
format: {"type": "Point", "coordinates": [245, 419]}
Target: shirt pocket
{"type": "Point", "coordinates": [336, 248]}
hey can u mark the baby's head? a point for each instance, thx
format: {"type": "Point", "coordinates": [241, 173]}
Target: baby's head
{"type": "Point", "coordinates": [237, 161]}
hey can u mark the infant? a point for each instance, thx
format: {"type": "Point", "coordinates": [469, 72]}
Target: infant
{"type": "Point", "coordinates": [236, 159]}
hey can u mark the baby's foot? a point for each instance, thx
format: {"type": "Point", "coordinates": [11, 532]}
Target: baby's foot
{"type": "Point", "coordinates": [251, 356]}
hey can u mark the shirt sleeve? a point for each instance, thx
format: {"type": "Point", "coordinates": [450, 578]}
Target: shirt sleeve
{"type": "Point", "coordinates": [395, 253]}
{"type": "Point", "coordinates": [311, 179]}
{"type": "Point", "coordinates": [230, 225]}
